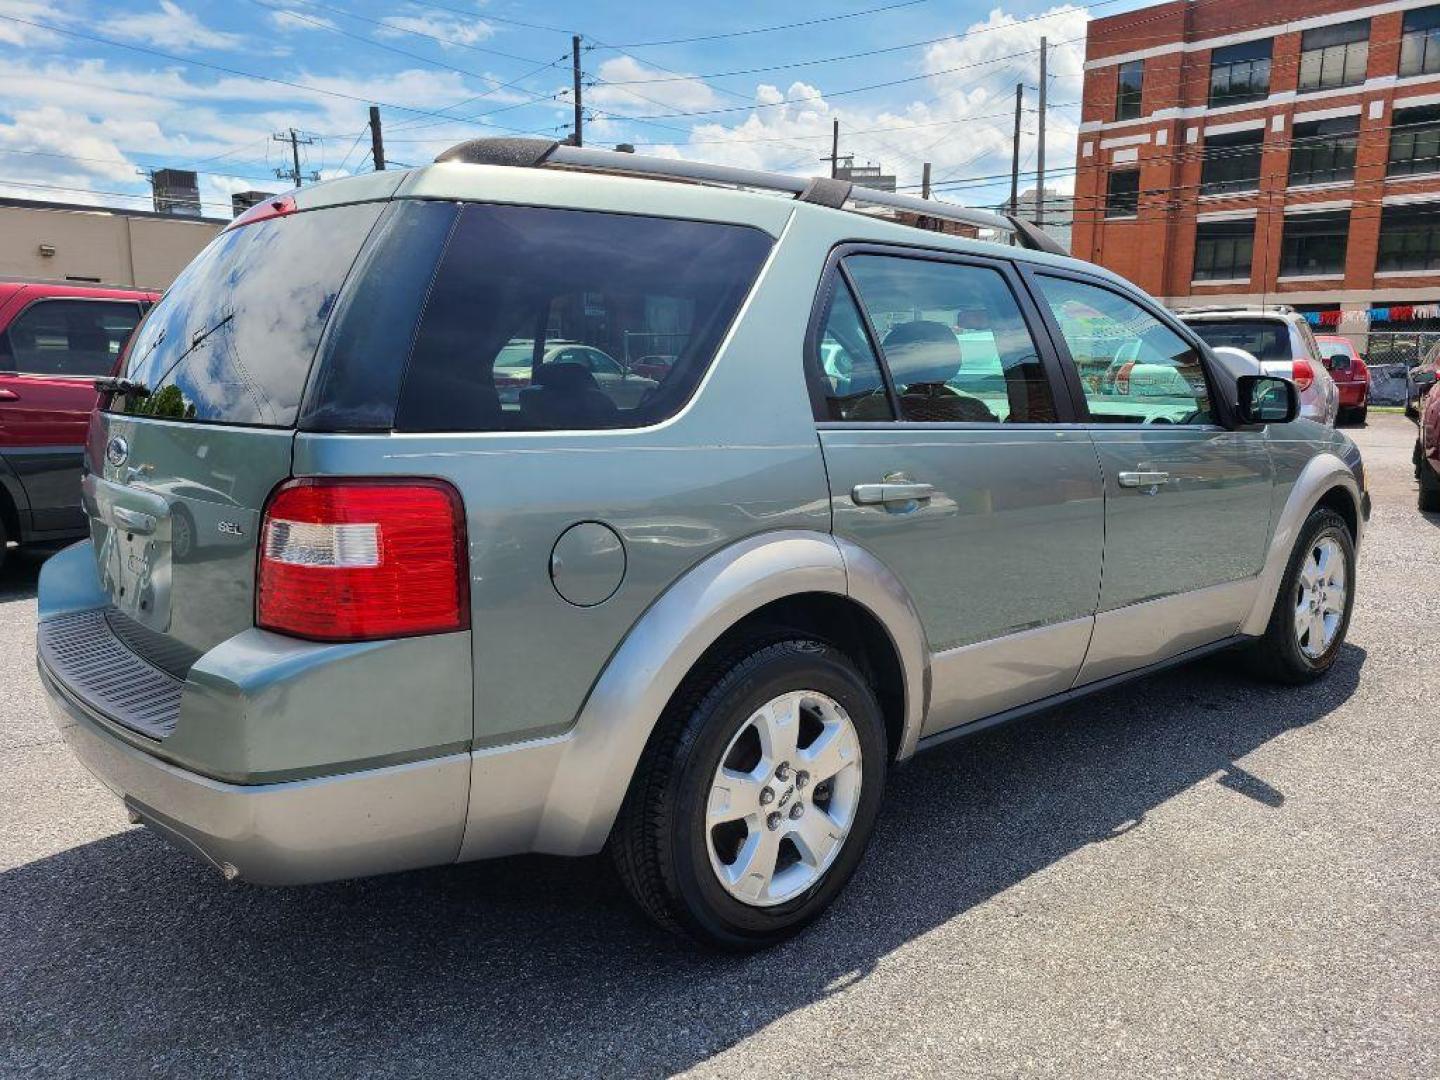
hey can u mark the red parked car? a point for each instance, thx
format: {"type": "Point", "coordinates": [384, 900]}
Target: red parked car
{"type": "Point", "coordinates": [54, 341]}
{"type": "Point", "coordinates": [1352, 377]}
{"type": "Point", "coordinates": [1427, 452]}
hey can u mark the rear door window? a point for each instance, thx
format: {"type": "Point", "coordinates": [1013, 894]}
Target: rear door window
{"type": "Point", "coordinates": [81, 338]}
{"type": "Point", "coordinates": [954, 340]}
{"type": "Point", "coordinates": [233, 338]}
{"type": "Point", "coordinates": [542, 319]}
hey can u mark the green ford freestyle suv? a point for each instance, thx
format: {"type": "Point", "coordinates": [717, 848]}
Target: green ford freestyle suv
{"type": "Point", "coordinates": [359, 599]}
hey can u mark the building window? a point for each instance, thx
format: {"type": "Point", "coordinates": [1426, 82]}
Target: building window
{"type": "Point", "coordinates": [1223, 250]}
{"type": "Point", "coordinates": [1240, 73]}
{"type": "Point", "coordinates": [1332, 56]}
{"type": "Point", "coordinates": [1420, 42]}
{"type": "Point", "coordinates": [1127, 90]}
{"type": "Point", "coordinates": [1122, 193]}
{"type": "Point", "coordinates": [1314, 244]}
{"type": "Point", "coordinates": [1414, 141]}
{"type": "Point", "coordinates": [1409, 238]}
{"type": "Point", "coordinates": [1323, 151]}
{"type": "Point", "coordinates": [1232, 162]}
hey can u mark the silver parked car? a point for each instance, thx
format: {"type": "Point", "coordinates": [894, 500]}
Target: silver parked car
{"type": "Point", "coordinates": [348, 608]}
{"type": "Point", "coordinates": [1281, 339]}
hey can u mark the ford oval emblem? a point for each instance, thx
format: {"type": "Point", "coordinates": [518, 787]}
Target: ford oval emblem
{"type": "Point", "coordinates": [117, 452]}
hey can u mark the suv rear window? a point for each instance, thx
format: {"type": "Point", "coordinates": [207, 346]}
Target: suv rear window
{"type": "Point", "coordinates": [232, 339]}
{"type": "Point", "coordinates": [1264, 339]}
{"type": "Point", "coordinates": [544, 319]}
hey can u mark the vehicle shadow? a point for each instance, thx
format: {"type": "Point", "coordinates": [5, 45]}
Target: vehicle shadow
{"type": "Point", "coordinates": [122, 956]}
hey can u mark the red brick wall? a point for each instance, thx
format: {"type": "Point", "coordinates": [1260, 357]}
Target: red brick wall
{"type": "Point", "coordinates": [1156, 250]}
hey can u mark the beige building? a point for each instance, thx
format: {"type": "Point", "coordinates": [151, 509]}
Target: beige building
{"type": "Point", "coordinates": [41, 241]}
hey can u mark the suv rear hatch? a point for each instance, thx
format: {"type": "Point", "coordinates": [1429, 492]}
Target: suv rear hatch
{"type": "Point", "coordinates": [178, 470]}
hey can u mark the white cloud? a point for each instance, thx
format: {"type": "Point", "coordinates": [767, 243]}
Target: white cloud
{"type": "Point", "coordinates": [301, 20]}
{"type": "Point", "coordinates": [959, 116]}
{"type": "Point", "coordinates": [15, 33]}
{"type": "Point", "coordinates": [453, 31]}
{"type": "Point", "coordinates": [656, 90]}
{"type": "Point", "coordinates": [171, 27]}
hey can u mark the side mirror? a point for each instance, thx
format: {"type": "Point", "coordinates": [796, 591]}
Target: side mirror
{"type": "Point", "coordinates": [1266, 399]}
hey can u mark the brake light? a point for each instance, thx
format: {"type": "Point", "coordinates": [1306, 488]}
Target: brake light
{"type": "Point", "coordinates": [1122, 378]}
{"type": "Point", "coordinates": [1302, 374]}
{"type": "Point", "coordinates": [273, 207]}
{"type": "Point", "coordinates": [357, 560]}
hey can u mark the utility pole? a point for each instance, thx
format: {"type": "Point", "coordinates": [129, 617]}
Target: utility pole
{"type": "Point", "coordinates": [835, 148]}
{"type": "Point", "coordinates": [1015, 152]}
{"type": "Point", "coordinates": [925, 181]}
{"type": "Point", "coordinates": [575, 74]}
{"type": "Point", "coordinates": [1040, 144]}
{"type": "Point", "coordinates": [296, 140]}
{"type": "Point", "coordinates": [377, 141]}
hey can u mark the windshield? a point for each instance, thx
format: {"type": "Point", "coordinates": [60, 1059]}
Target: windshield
{"type": "Point", "coordinates": [1265, 339]}
{"type": "Point", "coordinates": [231, 341]}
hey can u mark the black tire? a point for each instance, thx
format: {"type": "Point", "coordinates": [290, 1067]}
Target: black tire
{"type": "Point", "coordinates": [4, 542]}
{"type": "Point", "coordinates": [659, 842]}
{"type": "Point", "coordinates": [1359, 415]}
{"type": "Point", "coordinates": [1429, 497]}
{"type": "Point", "coordinates": [1277, 656]}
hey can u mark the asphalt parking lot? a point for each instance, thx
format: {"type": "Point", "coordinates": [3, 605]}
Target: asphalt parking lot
{"type": "Point", "coordinates": [1189, 876]}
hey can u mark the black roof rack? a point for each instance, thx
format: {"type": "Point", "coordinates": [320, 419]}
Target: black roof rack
{"type": "Point", "coordinates": [823, 191]}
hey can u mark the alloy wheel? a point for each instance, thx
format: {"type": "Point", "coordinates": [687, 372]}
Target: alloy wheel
{"type": "Point", "coordinates": [783, 798]}
{"type": "Point", "coordinates": [1320, 597]}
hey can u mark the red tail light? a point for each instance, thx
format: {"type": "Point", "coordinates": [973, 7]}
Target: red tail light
{"type": "Point", "coordinates": [1122, 378]}
{"type": "Point", "coordinates": [1302, 374]}
{"type": "Point", "coordinates": [357, 560]}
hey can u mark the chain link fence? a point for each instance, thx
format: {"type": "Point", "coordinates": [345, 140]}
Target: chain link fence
{"type": "Point", "coordinates": [1389, 355]}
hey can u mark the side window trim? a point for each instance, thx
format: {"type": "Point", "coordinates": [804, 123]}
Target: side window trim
{"type": "Point", "coordinates": [9, 360]}
{"type": "Point", "coordinates": [1031, 312]}
{"type": "Point", "coordinates": [1219, 405]}
{"type": "Point", "coordinates": [873, 337]}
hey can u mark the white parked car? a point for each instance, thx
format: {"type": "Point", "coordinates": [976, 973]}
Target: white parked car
{"type": "Point", "coordinates": [1280, 338]}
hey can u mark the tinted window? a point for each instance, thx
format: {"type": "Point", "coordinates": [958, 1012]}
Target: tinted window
{"type": "Point", "coordinates": [1232, 162]}
{"type": "Point", "coordinates": [68, 337]}
{"type": "Point", "coordinates": [1314, 244]}
{"type": "Point", "coordinates": [1134, 368]}
{"type": "Point", "coordinates": [1240, 73]}
{"type": "Point", "coordinates": [1264, 339]}
{"type": "Point", "coordinates": [1122, 193]}
{"type": "Point", "coordinates": [539, 319]}
{"type": "Point", "coordinates": [1224, 250]}
{"type": "Point", "coordinates": [954, 341]}
{"type": "Point", "coordinates": [231, 341]}
{"type": "Point", "coordinates": [1128, 82]}
{"type": "Point", "coordinates": [1335, 55]}
{"type": "Point", "coordinates": [849, 373]}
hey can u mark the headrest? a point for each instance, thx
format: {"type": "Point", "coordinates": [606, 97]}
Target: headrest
{"type": "Point", "coordinates": [565, 378]}
{"type": "Point", "coordinates": [922, 352]}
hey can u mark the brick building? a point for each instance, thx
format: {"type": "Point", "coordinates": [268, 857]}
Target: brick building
{"type": "Point", "coordinates": [1287, 151]}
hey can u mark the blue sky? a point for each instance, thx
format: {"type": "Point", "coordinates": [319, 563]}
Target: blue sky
{"type": "Point", "coordinates": [80, 117]}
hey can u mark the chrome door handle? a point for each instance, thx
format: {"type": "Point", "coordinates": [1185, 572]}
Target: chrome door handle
{"type": "Point", "coordinates": [1143, 479]}
{"type": "Point", "coordinates": [133, 520]}
{"type": "Point", "coordinates": [890, 492]}
{"type": "Point", "coordinates": [9, 395]}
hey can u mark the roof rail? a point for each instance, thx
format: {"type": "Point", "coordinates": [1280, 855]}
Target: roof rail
{"type": "Point", "coordinates": [823, 191]}
{"type": "Point", "coordinates": [1205, 309]}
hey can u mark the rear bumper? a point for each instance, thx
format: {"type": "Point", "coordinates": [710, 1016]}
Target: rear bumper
{"type": "Point", "coordinates": [1352, 395]}
{"type": "Point", "coordinates": [374, 821]}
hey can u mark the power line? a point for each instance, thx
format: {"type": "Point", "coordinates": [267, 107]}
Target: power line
{"type": "Point", "coordinates": [770, 29]}
{"type": "Point", "coordinates": [240, 73]}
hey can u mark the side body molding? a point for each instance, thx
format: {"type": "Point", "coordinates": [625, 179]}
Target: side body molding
{"type": "Point", "coordinates": [1323, 472]}
{"type": "Point", "coordinates": [561, 795]}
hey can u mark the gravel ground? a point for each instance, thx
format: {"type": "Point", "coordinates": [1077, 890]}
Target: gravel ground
{"type": "Point", "coordinates": [1189, 876]}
